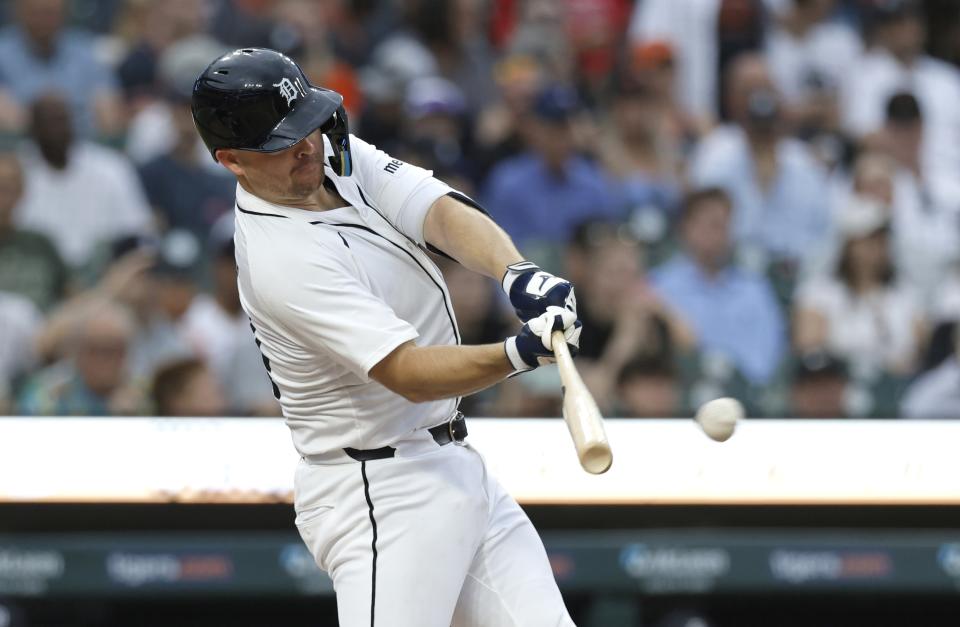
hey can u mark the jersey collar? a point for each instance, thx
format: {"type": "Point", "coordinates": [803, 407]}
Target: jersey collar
{"type": "Point", "coordinates": [252, 204]}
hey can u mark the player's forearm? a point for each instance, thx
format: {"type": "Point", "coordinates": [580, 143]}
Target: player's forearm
{"type": "Point", "coordinates": [428, 373]}
{"type": "Point", "coordinates": [470, 237]}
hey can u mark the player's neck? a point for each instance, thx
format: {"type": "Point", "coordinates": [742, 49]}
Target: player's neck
{"type": "Point", "coordinates": [323, 199]}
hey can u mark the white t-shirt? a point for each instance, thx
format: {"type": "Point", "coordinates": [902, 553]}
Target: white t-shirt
{"type": "Point", "coordinates": [331, 293]}
{"type": "Point", "coordinates": [875, 330]}
{"type": "Point", "coordinates": [96, 198]}
{"type": "Point", "coordinates": [690, 27]}
{"type": "Point", "coordinates": [878, 75]}
{"type": "Point", "coordinates": [823, 56]}
{"type": "Point", "coordinates": [19, 323]}
{"type": "Point", "coordinates": [212, 332]}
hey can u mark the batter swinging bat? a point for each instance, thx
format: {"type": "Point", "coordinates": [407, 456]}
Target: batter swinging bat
{"type": "Point", "coordinates": [581, 413]}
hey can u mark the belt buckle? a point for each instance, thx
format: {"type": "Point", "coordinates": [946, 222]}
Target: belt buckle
{"type": "Point", "coordinates": [453, 438]}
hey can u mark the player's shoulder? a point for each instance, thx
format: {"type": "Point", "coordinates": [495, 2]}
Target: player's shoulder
{"type": "Point", "coordinates": [372, 164]}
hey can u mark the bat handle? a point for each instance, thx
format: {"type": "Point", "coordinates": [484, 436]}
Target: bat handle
{"type": "Point", "coordinates": [560, 349]}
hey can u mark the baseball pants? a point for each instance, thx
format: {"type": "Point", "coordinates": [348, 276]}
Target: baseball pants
{"type": "Point", "coordinates": [425, 539]}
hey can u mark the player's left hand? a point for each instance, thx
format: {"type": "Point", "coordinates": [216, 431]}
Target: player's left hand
{"type": "Point", "coordinates": [531, 290]}
{"type": "Point", "coordinates": [533, 346]}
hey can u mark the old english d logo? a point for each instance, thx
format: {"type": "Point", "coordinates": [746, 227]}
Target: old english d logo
{"type": "Point", "coordinates": [290, 89]}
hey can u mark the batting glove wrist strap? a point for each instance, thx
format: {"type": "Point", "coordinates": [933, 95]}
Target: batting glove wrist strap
{"type": "Point", "coordinates": [533, 346]}
{"type": "Point", "coordinates": [532, 291]}
{"type": "Point", "coordinates": [515, 271]}
{"type": "Point", "coordinates": [513, 354]}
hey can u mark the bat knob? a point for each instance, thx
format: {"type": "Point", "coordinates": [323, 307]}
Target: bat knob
{"type": "Point", "coordinates": [597, 459]}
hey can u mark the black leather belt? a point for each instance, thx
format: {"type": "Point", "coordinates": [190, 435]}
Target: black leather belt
{"type": "Point", "coordinates": [451, 431]}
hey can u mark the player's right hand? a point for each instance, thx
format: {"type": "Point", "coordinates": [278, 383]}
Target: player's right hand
{"type": "Point", "coordinates": [533, 346]}
{"type": "Point", "coordinates": [532, 291]}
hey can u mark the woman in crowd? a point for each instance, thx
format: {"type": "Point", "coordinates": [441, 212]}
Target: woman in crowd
{"type": "Point", "coordinates": [860, 312]}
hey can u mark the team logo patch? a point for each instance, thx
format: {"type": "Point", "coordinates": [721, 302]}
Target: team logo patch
{"type": "Point", "coordinates": [290, 89]}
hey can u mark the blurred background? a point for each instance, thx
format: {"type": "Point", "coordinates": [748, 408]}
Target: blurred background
{"type": "Point", "coordinates": [754, 198]}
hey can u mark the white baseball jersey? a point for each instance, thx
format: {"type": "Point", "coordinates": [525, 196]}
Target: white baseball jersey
{"type": "Point", "coordinates": [331, 293]}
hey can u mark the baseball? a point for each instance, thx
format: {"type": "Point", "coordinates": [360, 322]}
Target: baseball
{"type": "Point", "coordinates": [718, 418]}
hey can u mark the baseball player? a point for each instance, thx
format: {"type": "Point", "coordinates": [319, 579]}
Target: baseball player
{"type": "Point", "coordinates": [359, 339]}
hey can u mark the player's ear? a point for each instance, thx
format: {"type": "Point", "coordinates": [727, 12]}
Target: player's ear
{"type": "Point", "coordinates": [228, 159]}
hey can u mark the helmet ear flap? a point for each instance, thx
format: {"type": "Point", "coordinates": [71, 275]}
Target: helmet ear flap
{"type": "Point", "coordinates": [337, 131]}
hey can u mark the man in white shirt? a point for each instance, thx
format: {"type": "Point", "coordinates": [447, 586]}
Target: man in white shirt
{"type": "Point", "coordinates": [897, 63]}
{"type": "Point", "coordinates": [809, 53]}
{"type": "Point", "coordinates": [78, 193]}
{"type": "Point", "coordinates": [359, 338]}
{"type": "Point", "coordinates": [778, 188]}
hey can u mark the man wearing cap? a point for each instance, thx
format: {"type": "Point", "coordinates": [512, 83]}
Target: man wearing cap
{"type": "Point", "coordinates": [361, 345]}
{"type": "Point", "coordinates": [540, 196]}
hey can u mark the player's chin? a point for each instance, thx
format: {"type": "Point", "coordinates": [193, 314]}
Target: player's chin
{"type": "Point", "coordinates": [307, 178]}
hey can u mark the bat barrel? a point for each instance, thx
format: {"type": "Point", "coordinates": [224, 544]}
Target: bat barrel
{"type": "Point", "coordinates": [581, 414]}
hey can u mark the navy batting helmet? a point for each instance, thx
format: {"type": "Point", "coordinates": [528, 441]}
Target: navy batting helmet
{"type": "Point", "coordinates": [260, 100]}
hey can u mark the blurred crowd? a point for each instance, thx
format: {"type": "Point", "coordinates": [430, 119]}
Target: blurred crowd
{"type": "Point", "coordinates": [754, 198]}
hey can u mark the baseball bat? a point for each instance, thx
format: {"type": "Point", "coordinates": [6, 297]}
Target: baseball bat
{"type": "Point", "coordinates": [581, 413]}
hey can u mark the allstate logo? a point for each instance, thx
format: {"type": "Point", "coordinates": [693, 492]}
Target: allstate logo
{"type": "Point", "coordinates": [949, 559]}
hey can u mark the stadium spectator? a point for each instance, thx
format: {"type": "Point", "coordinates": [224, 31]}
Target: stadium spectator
{"type": "Point", "coordinates": [541, 195]}
{"type": "Point", "coordinates": [623, 317]}
{"type": "Point", "coordinates": [131, 280]}
{"type": "Point", "coordinates": [925, 236]}
{"type": "Point", "coordinates": [187, 388]}
{"type": "Point", "coordinates": [936, 394]}
{"type": "Point", "coordinates": [896, 62]}
{"type": "Point", "coordinates": [643, 143]}
{"type": "Point", "coordinates": [19, 323]}
{"type": "Point", "coordinates": [903, 137]}
{"type": "Point", "coordinates": [39, 54]}
{"type": "Point", "coordinates": [808, 53]}
{"type": "Point", "coordinates": [818, 387]}
{"type": "Point", "coordinates": [649, 387]}
{"type": "Point", "coordinates": [498, 126]}
{"type": "Point", "coordinates": [93, 380]}
{"type": "Point", "coordinates": [779, 191]}
{"type": "Point", "coordinates": [79, 194]}
{"type": "Point", "coordinates": [447, 35]}
{"type": "Point", "coordinates": [152, 28]}
{"type": "Point", "coordinates": [860, 313]}
{"type": "Point", "coordinates": [153, 128]}
{"type": "Point", "coordinates": [434, 133]}
{"type": "Point", "coordinates": [217, 329]}
{"type": "Point", "coordinates": [732, 311]}
{"type": "Point", "coordinates": [29, 263]}
{"type": "Point", "coordinates": [243, 22]}
{"type": "Point", "coordinates": [213, 323]}
{"type": "Point", "coordinates": [186, 193]}
{"type": "Point", "coordinates": [706, 36]}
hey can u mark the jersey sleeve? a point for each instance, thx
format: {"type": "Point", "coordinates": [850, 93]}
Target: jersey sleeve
{"type": "Point", "coordinates": [403, 193]}
{"type": "Point", "coordinates": [327, 307]}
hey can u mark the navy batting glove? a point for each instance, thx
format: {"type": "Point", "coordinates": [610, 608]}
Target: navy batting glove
{"type": "Point", "coordinates": [531, 290]}
{"type": "Point", "coordinates": [532, 347]}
